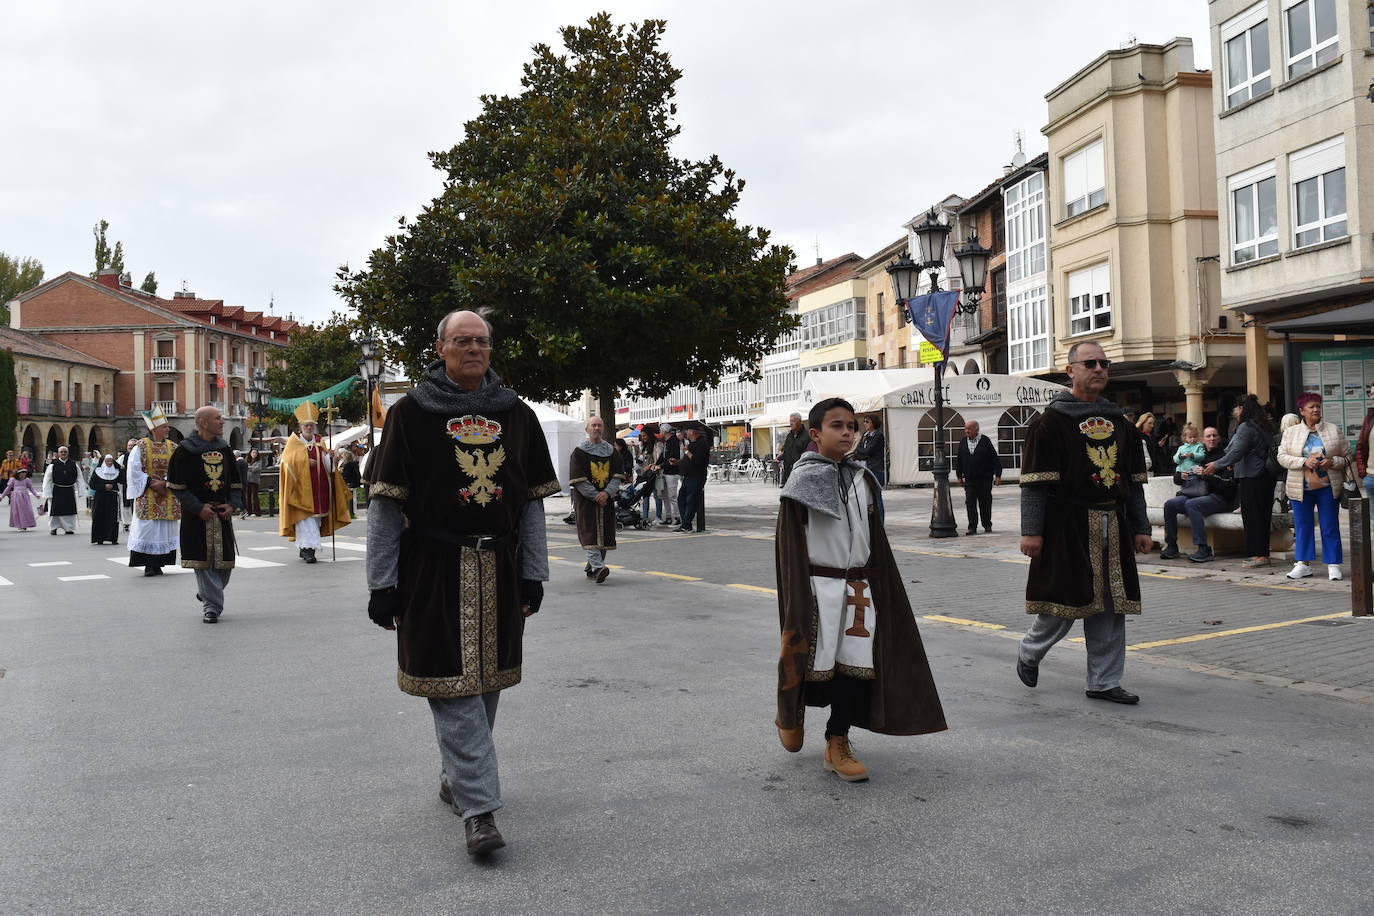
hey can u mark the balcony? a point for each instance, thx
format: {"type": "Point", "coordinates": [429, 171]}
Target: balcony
{"type": "Point", "coordinates": [164, 364]}
{"type": "Point", "coordinates": [167, 407]}
{"type": "Point", "coordinates": [212, 366]}
{"type": "Point", "coordinates": [238, 410]}
{"type": "Point", "coordinates": [47, 407]}
{"type": "Point", "coordinates": [218, 405]}
{"type": "Point", "coordinates": [238, 370]}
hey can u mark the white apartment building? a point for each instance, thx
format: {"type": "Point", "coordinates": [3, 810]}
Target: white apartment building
{"type": "Point", "coordinates": [1030, 346]}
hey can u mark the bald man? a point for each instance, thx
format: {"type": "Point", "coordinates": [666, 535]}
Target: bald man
{"type": "Point", "coordinates": [204, 478]}
{"type": "Point", "coordinates": [596, 472]}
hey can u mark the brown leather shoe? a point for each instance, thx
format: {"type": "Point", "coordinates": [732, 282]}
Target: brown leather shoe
{"type": "Point", "coordinates": [840, 760]}
{"type": "Point", "coordinates": [483, 837]}
{"type": "Point", "coordinates": [791, 738]}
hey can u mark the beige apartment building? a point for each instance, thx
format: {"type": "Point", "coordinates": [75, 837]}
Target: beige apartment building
{"type": "Point", "coordinates": [1293, 126]}
{"type": "Point", "coordinates": [1133, 238]}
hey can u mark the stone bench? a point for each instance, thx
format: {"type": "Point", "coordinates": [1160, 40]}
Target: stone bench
{"type": "Point", "coordinates": [1225, 529]}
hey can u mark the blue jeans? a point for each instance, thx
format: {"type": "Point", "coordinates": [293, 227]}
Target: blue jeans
{"type": "Point", "coordinates": [689, 498]}
{"type": "Point", "coordinates": [658, 503]}
{"type": "Point", "coordinates": [1304, 535]}
{"type": "Point", "coordinates": [1369, 487]}
{"type": "Point", "coordinates": [1197, 508]}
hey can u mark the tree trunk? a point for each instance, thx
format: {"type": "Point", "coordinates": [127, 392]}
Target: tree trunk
{"type": "Point", "coordinates": [606, 407]}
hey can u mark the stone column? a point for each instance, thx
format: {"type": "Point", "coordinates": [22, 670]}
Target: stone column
{"type": "Point", "coordinates": [1194, 383]}
{"type": "Point", "coordinates": [1257, 362]}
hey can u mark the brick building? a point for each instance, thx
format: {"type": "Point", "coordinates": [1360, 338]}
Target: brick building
{"type": "Point", "coordinates": [177, 354]}
{"type": "Point", "coordinates": [65, 396]}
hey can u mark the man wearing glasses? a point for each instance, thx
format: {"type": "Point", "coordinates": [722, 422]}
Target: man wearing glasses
{"type": "Point", "coordinates": [1082, 522]}
{"type": "Point", "coordinates": [456, 554]}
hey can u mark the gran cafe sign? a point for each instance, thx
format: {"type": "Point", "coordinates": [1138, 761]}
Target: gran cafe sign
{"type": "Point", "coordinates": [982, 391]}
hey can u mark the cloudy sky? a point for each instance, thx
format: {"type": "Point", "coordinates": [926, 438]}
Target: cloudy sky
{"type": "Point", "coordinates": [249, 150]}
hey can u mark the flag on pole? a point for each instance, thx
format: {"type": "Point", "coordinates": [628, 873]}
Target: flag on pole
{"type": "Point", "coordinates": [932, 315]}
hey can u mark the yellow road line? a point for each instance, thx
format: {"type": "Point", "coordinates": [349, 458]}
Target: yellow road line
{"type": "Point", "coordinates": [552, 557]}
{"type": "Point", "coordinates": [1199, 637]}
{"type": "Point", "coordinates": [1286, 588]}
{"type": "Point", "coordinates": [1162, 576]}
{"type": "Point", "coordinates": [966, 623]}
{"type": "Point", "coordinates": [673, 576]}
{"type": "Point", "coordinates": [753, 588]}
{"type": "Point", "coordinates": [1013, 560]}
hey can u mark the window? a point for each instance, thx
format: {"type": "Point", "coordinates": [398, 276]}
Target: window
{"type": "Point", "coordinates": [1245, 41]}
{"type": "Point", "coordinates": [901, 357]}
{"type": "Point", "coordinates": [882, 360]}
{"type": "Point", "coordinates": [882, 320]}
{"type": "Point", "coordinates": [1011, 433]}
{"type": "Point", "coordinates": [56, 392]}
{"type": "Point", "coordinates": [845, 320]}
{"type": "Point", "coordinates": [1371, 26]}
{"type": "Point", "coordinates": [1254, 214]}
{"type": "Point", "coordinates": [166, 391]}
{"type": "Point", "coordinates": [1311, 36]}
{"type": "Point", "coordinates": [1025, 209]}
{"type": "Point", "coordinates": [1090, 300]}
{"type": "Point", "coordinates": [999, 297]}
{"type": "Point", "coordinates": [925, 437]}
{"type": "Point", "coordinates": [1085, 184]}
{"type": "Point", "coordinates": [166, 348]}
{"type": "Point", "coordinates": [1028, 330]}
{"type": "Point", "coordinates": [1318, 176]}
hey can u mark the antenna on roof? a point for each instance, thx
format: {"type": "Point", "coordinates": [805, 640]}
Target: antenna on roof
{"type": "Point", "coordinates": [1130, 40]}
{"type": "Point", "coordinates": [185, 287]}
{"type": "Point", "coordinates": [1018, 158]}
{"type": "Point", "coordinates": [271, 302]}
{"type": "Point", "coordinates": [817, 247]}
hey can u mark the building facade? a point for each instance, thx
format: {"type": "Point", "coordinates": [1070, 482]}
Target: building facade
{"type": "Point", "coordinates": [176, 354]}
{"type": "Point", "coordinates": [65, 397]}
{"type": "Point", "coordinates": [1294, 128]}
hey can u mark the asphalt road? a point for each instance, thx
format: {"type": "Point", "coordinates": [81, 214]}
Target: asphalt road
{"type": "Point", "coordinates": [152, 764]}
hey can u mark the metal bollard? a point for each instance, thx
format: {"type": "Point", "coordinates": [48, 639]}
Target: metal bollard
{"type": "Point", "coordinates": [1360, 579]}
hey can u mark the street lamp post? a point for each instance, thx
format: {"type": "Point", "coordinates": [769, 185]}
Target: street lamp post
{"type": "Point", "coordinates": [371, 368]}
{"type": "Point", "coordinates": [931, 237]}
{"type": "Point", "coordinates": [258, 395]}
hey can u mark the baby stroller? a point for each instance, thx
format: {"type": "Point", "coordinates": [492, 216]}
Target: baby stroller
{"type": "Point", "coordinates": [627, 504]}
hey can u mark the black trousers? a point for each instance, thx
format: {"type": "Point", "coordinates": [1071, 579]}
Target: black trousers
{"type": "Point", "coordinates": [978, 499]}
{"type": "Point", "coordinates": [848, 695]}
{"type": "Point", "coordinates": [1256, 512]}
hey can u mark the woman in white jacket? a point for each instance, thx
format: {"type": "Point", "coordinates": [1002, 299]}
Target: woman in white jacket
{"type": "Point", "coordinates": [1316, 455]}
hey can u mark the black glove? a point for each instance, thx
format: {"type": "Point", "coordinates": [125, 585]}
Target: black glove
{"type": "Point", "coordinates": [384, 606]}
{"type": "Point", "coordinates": [531, 593]}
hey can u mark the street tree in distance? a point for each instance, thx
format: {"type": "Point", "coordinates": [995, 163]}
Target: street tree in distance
{"type": "Point", "coordinates": [149, 284]}
{"type": "Point", "coordinates": [17, 275]}
{"type": "Point", "coordinates": [318, 358]}
{"type": "Point", "coordinates": [604, 261]}
{"type": "Point", "coordinates": [102, 248]}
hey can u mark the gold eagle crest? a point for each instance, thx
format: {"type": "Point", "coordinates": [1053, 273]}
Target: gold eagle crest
{"type": "Point", "coordinates": [1103, 458]}
{"type": "Point", "coordinates": [599, 472]}
{"type": "Point", "coordinates": [481, 468]}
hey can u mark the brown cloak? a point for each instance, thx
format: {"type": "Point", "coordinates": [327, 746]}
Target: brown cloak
{"type": "Point", "coordinates": [595, 524]}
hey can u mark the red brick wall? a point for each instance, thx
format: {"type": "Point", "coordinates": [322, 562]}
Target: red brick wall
{"type": "Point", "coordinates": [74, 304]}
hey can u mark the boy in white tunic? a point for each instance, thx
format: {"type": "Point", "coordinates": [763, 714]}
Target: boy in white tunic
{"type": "Point", "coordinates": [849, 638]}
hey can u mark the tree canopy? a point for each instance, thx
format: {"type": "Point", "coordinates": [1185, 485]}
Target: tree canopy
{"type": "Point", "coordinates": [17, 275]}
{"type": "Point", "coordinates": [602, 260]}
{"type": "Point", "coordinates": [318, 358]}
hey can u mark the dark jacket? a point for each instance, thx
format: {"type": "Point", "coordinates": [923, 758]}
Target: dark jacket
{"type": "Point", "coordinates": [793, 447]}
{"type": "Point", "coordinates": [1246, 452]}
{"type": "Point", "coordinates": [871, 449]}
{"type": "Point", "coordinates": [1362, 446]}
{"type": "Point", "coordinates": [351, 474]}
{"type": "Point", "coordinates": [672, 448]}
{"type": "Point", "coordinates": [983, 464]}
{"type": "Point", "coordinates": [1222, 482]}
{"type": "Point", "coordinates": [698, 457]}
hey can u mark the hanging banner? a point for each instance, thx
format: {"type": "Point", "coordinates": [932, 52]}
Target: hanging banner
{"type": "Point", "coordinates": [932, 315]}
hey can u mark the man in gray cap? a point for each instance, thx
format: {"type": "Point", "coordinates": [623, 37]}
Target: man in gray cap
{"type": "Point", "coordinates": [672, 454]}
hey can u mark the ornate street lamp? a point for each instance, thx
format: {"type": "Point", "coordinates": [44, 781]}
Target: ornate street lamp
{"type": "Point", "coordinates": [931, 238]}
{"type": "Point", "coordinates": [370, 367]}
{"type": "Point", "coordinates": [258, 396]}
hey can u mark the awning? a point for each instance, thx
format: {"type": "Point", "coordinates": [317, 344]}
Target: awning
{"type": "Point", "coordinates": [780, 415]}
{"type": "Point", "coordinates": [1354, 319]}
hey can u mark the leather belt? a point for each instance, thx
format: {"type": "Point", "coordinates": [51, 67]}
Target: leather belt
{"type": "Point", "coordinates": [852, 574]}
{"type": "Point", "coordinates": [477, 541]}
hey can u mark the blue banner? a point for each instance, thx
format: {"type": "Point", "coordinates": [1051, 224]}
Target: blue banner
{"type": "Point", "coordinates": [932, 315]}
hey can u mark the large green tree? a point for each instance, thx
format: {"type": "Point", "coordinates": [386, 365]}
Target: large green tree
{"type": "Point", "coordinates": [318, 358]}
{"type": "Point", "coordinates": [9, 402]}
{"type": "Point", "coordinates": [605, 262]}
{"type": "Point", "coordinates": [103, 254]}
{"type": "Point", "coordinates": [17, 275]}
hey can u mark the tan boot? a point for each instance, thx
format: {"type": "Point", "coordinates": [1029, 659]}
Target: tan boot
{"type": "Point", "coordinates": [840, 760]}
{"type": "Point", "coordinates": [791, 738]}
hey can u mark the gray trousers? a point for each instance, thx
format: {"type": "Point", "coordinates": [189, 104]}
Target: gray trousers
{"type": "Point", "coordinates": [1106, 637]}
{"type": "Point", "coordinates": [210, 585]}
{"type": "Point", "coordinates": [596, 558]}
{"type": "Point", "coordinates": [670, 485]}
{"type": "Point", "coordinates": [467, 752]}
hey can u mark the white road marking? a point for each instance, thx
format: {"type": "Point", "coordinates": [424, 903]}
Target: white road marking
{"type": "Point", "coordinates": [342, 559]}
{"type": "Point", "coordinates": [4, 581]}
{"type": "Point", "coordinates": [54, 563]}
{"type": "Point", "coordinates": [276, 547]}
{"type": "Point", "coordinates": [253, 562]}
{"type": "Point", "coordinates": [166, 570]}
{"type": "Point", "coordinates": [79, 578]}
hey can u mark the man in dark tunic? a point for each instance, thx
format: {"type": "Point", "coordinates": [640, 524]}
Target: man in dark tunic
{"type": "Point", "coordinates": [1082, 521]}
{"type": "Point", "coordinates": [596, 472]}
{"type": "Point", "coordinates": [203, 477]}
{"type": "Point", "coordinates": [59, 490]}
{"type": "Point", "coordinates": [793, 446]}
{"type": "Point", "coordinates": [456, 554]}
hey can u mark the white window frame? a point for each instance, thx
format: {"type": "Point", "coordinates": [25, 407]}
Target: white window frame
{"type": "Point", "coordinates": [1024, 223]}
{"type": "Point", "coordinates": [1319, 161]}
{"type": "Point", "coordinates": [1314, 51]}
{"type": "Point", "coordinates": [1085, 178]}
{"type": "Point", "coordinates": [1028, 324]}
{"type": "Point", "coordinates": [1090, 299]}
{"type": "Point", "coordinates": [1252, 248]}
{"type": "Point", "coordinates": [1243, 26]}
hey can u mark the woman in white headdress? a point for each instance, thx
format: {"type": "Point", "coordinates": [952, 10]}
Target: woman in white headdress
{"type": "Point", "coordinates": [107, 483]}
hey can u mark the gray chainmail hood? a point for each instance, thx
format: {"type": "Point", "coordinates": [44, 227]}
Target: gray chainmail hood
{"type": "Point", "coordinates": [820, 484]}
{"type": "Point", "coordinates": [438, 393]}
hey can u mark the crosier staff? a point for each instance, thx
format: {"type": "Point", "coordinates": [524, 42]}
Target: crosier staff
{"type": "Point", "coordinates": [328, 411]}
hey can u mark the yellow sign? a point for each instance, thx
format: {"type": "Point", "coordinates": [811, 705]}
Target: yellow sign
{"type": "Point", "coordinates": [929, 353]}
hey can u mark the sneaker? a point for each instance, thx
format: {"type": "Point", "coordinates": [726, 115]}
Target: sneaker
{"type": "Point", "coordinates": [1202, 555]}
{"type": "Point", "coordinates": [210, 617]}
{"type": "Point", "coordinates": [840, 760]}
{"type": "Point", "coordinates": [1300, 571]}
{"type": "Point", "coordinates": [1170, 552]}
{"type": "Point", "coordinates": [1255, 562]}
{"type": "Point", "coordinates": [1333, 572]}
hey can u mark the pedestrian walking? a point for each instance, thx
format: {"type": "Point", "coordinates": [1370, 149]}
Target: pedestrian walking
{"type": "Point", "coordinates": [978, 468]}
{"type": "Point", "coordinates": [691, 498]}
{"type": "Point", "coordinates": [8, 467]}
{"type": "Point", "coordinates": [1248, 455]}
{"type": "Point", "coordinates": [253, 482]}
{"type": "Point", "coordinates": [1082, 521]}
{"type": "Point", "coordinates": [1316, 454]}
{"type": "Point", "coordinates": [205, 480]}
{"type": "Point", "coordinates": [872, 448]}
{"type": "Point", "coordinates": [60, 482]}
{"type": "Point", "coordinates": [849, 638]}
{"type": "Point", "coordinates": [156, 527]}
{"type": "Point", "coordinates": [596, 471]}
{"type": "Point", "coordinates": [457, 554]}
{"type": "Point", "coordinates": [793, 446]}
{"type": "Point", "coordinates": [672, 474]}
{"type": "Point", "coordinates": [22, 496]}
{"type": "Point", "coordinates": [107, 482]}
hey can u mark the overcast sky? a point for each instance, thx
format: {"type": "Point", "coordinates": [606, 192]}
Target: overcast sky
{"type": "Point", "coordinates": [250, 150]}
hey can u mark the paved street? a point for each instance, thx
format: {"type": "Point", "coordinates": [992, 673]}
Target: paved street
{"type": "Point", "coordinates": [152, 764]}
